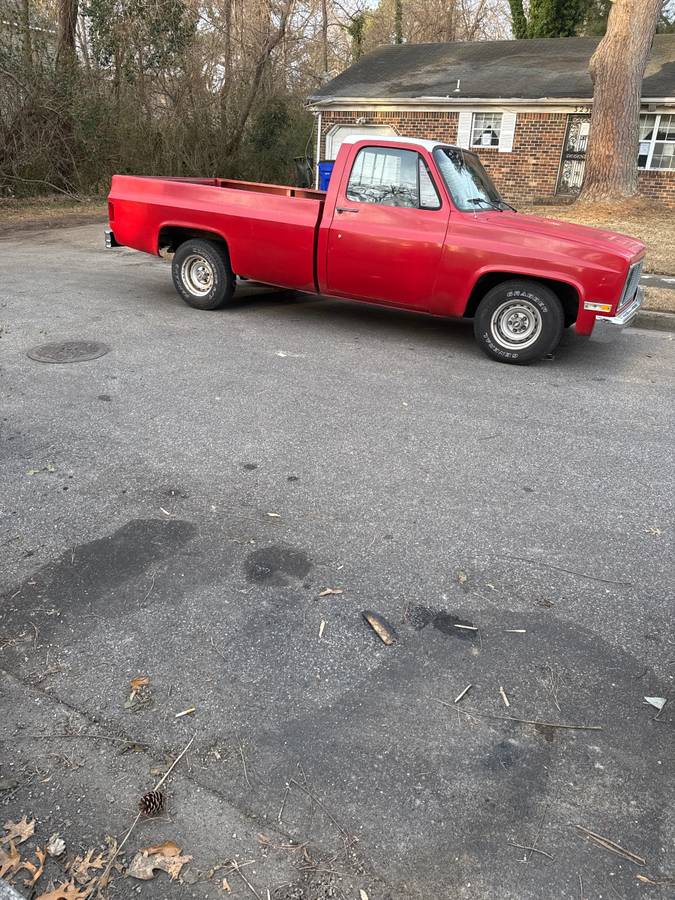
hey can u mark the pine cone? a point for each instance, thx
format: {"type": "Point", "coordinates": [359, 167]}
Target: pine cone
{"type": "Point", "coordinates": [151, 803]}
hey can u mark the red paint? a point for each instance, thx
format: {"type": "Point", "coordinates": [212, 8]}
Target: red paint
{"type": "Point", "coordinates": [414, 258]}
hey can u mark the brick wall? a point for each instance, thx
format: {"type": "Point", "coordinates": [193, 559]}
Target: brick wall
{"type": "Point", "coordinates": [658, 185]}
{"type": "Point", "coordinates": [528, 174]}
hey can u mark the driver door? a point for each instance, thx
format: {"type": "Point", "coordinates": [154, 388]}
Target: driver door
{"type": "Point", "coordinates": [388, 229]}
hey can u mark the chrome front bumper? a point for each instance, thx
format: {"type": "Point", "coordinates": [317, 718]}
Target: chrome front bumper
{"type": "Point", "coordinates": [606, 327]}
{"type": "Point", "coordinates": [110, 239]}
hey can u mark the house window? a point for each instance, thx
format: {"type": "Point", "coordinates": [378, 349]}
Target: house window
{"type": "Point", "coordinates": [485, 129]}
{"type": "Point", "coordinates": [657, 142]}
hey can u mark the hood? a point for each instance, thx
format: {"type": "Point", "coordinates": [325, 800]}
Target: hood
{"type": "Point", "coordinates": [598, 238]}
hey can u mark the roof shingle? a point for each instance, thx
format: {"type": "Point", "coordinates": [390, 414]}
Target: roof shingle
{"type": "Point", "coordinates": [551, 68]}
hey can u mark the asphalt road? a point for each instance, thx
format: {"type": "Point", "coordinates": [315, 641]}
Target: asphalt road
{"type": "Point", "coordinates": [175, 509]}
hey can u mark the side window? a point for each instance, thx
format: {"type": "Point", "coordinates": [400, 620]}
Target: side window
{"type": "Point", "coordinates": [392, 177]}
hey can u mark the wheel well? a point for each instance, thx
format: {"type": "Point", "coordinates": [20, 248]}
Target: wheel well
{"type": "Point", "coordinates": [172, 236]}
{"type": "Point", "coordinates": [566, 293]}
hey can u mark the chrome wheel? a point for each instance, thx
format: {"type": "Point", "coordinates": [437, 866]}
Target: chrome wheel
{"type": "Point", "coordinates": [197, 275]}
{"type": "Point", "coordinates": [516, 324]}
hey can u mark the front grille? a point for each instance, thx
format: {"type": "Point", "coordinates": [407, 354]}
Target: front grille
{"type": "Point", "coordinates": [631, 286]}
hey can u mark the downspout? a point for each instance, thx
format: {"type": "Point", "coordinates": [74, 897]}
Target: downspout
{"type": "Point", "coordinates": [318, 151]}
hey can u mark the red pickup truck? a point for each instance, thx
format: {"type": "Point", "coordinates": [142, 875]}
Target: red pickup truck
{"type": "Point", "coordinates": [406, 223]}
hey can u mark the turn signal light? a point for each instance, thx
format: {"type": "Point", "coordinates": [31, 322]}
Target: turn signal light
{"type": "Point", "coordinates": [598, 307]}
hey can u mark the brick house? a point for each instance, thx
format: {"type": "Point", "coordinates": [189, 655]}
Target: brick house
{"type": "Point", "coordinates": [524, 106]}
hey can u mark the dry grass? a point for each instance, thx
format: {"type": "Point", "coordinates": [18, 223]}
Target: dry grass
{"type": "Point", "coordinates": [46, 212]}
{"type": "Point", "coordinates": [649, 222]}
{"type": "Point", "coordinates": [660, 299]}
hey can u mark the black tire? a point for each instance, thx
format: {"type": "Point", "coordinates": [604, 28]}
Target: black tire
{"type": "Point", "coordinates": [519, 322]}
{"type": "Point", "coordinates": [202, 274]}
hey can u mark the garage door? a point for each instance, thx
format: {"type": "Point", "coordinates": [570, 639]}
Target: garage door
{"type": "Point", "coordinates": [338, 133]}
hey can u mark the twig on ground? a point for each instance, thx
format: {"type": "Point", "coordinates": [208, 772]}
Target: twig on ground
{"type": "Point", "coordinates": [532, 849]}
{"type": "Point", "coordinates": [545, 565]}
{"type": "Point", "coordinates": [216, 650]}
{"type": "Point", "coordinates": [553, 686]}
{"type": "Point", "coordinates": [612, 846]}
{"type": "Point", "coordinates": [243, 762]}
{"type": "Point", "coordinates": [581, 887]}
{"type": "Point", "coordinates": [468, 711]}
{"type": "Point", "coordinates": [459, 696]}
{"type": "Point", "coordinates": [538, 831]}
{"type": "Point", "coordinates": [101, 881]}
{"type": "Point", "coordinates": [237, 869]}
{"type": "Point", "coordinates": [150, 589]}
{"type": "Point", "coordinates": [339, 827]}
{"type": "Point", "coordinates": [174, 763]}
{"type": "Point", "coordinates": [283, 803]}
{"type": "Point", "coordinates": [94, 737]}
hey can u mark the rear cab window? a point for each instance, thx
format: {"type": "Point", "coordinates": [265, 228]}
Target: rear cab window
{"type": "Point", "coordinates": [388, 176]}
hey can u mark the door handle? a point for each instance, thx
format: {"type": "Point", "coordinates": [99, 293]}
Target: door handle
{"type": "Point", "coordinates": [343, 209]}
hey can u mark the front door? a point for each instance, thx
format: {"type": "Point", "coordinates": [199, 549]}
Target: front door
{"type": "Point", "coordinates": [388, 229]}
{"type": "Point", "coordinates": [573, 160]}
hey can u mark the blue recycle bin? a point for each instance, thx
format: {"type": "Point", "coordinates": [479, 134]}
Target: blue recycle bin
{"type": "Point", "coordinates": [325, 170]}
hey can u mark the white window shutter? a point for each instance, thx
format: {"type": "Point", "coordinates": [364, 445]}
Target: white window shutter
{"type": "Point", "coordinates": [464, 129]}
{"type": "Point", "coordinates": [507, 132]}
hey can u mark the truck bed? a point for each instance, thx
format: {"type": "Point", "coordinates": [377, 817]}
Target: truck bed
{"type": "Point", "coordinates": [270, 230]}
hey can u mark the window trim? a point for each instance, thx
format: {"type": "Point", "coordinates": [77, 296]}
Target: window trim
{"type": "Point", "coordinates": [420, 156]}
{"type": "Point", "coordinates": [492, 113]}
{"type": "Point", "coordinates": [653, 141]}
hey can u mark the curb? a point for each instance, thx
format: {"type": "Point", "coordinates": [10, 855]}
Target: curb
{"type": "Point", "coordinates": [656, 321]}
{"type": "Point", "coordinates": [7, 892]}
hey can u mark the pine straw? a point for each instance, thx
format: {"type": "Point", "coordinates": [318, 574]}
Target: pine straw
{"type": "Point", "coordinates": [650, 222]}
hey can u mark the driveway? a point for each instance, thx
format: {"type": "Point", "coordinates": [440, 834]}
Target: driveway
{"type": "Point", "coordinates": [177, 509]}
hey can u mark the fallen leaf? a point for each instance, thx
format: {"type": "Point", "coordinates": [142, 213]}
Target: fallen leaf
{"type": "Point", "coordinates": [138, 682]}
{"type": "Point", "coordinates": [362, 894]}
{"type": "Point", "coordinates": [322, 628]}
{"type": "Point", "coordinates": [81, 865]}
{"type": "Point", "coordinates": [56, 845]}
{"type": "Point", "coordinates": [226, 886]}
{"type": "Point", "coordinates": [168, 848]}
{"type": "Point", "coordinates": [462, 578]}
{"type": "Point", "coordinates": [329, 591]}
{"type": "Point", "coordinates": [9, 860]}
{"type": "Point", "coordinates": [274, 515]}
{"type": "Point", "coordinates": [143, 866]}
{"type": "Point", "coordinates": [18, 831]}
{"type": "Point", "coordinates": [34, 870]}
{"type": "Point", "coordinates": [65, 891]}
{"type": "Point", "coordinates": [656, 702]}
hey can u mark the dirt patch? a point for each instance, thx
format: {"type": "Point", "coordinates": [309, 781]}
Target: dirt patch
{"type": "Point", "coordinates": [49, 212]}
{"type": "Point", "coordinates": [649, 222]}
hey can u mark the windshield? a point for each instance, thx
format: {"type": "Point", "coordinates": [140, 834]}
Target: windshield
{"type": "Point", "coordinates": [466, 179]}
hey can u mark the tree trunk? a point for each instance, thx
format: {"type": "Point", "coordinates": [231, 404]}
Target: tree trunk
{"type": "Point", "coordinates": [65, 51]}
{"type": "Point", "coordinates": [324, 35]}
{"type": "Point", "coordinates": [271, 43]}
{"type": "Point", "coordinates": [27, 42]}
{"type": "Point", "coordinates": [617, 68]}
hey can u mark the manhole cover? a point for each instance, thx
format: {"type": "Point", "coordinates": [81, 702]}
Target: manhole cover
{"type": "Point", "coordinates": [68, 351]}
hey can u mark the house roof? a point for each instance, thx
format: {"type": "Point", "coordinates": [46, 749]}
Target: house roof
{"type": "Point", "coordinates": [542, 68]}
